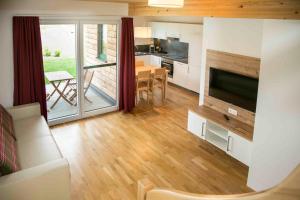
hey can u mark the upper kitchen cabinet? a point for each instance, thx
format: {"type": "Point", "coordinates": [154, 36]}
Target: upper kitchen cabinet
{"type": "Point", "coordinates": [173, 30]}
{"type": "Point", "coordinates": [158, 30]}
{"type": "Point", "coordinates": [163, 30]}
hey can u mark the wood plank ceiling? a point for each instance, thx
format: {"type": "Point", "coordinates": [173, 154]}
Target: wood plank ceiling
{"type": "Point", "coordinates": [260, 9]}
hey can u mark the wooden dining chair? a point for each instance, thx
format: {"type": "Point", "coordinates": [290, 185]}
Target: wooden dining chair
{"type": "Point", "coordinates": [143, 84]}
{"type": "Point", "coordinates": [139, 63]}
{"type": "Point", "coordinates": [159, 81]}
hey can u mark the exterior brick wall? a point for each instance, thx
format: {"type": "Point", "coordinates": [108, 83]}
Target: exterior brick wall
{"type": "Point", "coordinates": [105, 78]}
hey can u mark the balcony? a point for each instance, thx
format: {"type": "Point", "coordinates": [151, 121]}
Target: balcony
{"type": "Point", "coordinates": [62, 94]}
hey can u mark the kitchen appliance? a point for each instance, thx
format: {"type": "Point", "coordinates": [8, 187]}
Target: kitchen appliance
{"type": "Point", "coordinates": [151, 48]}
{"type": "Point", "coordinates": [169, 65]}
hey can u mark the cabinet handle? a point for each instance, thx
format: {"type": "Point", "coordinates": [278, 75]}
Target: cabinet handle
{"type": "Point", "coordinates": [202, 134]}
{"type": "Point", "coordinates": [228, 143]}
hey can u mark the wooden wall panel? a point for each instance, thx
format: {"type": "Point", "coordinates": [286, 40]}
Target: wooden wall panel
{"type": "Point", "coordinates": [260, 9]}
{"type": "Point", "coordinates": [245, 65]}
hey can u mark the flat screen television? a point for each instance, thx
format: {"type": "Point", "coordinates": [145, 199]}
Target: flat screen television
{"type": "Point", "coordinates": [233, 88]}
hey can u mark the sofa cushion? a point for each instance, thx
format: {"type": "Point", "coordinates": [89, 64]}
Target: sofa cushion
{"type": "Point", "coordinates": [6, 121]}
{"type": "Point", "coordinates": [35, 143]}
{"type": "Point", "coordinates": [37, 151]}
{"type": "Point", "coordinates": [31, 128]}
{"type": "Point", "coordinates": [8, 156]}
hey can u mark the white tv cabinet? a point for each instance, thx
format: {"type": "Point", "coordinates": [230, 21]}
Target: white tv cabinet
{"type": "Point", "coordinates": [232, 136]}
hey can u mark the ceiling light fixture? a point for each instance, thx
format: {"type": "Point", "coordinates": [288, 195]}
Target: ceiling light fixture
{"type": "Point", "coordinates": [166, 3]}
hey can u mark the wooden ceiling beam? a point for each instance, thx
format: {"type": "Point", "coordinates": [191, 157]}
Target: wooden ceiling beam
{"type": "Point", "coordinates": [259, 9]}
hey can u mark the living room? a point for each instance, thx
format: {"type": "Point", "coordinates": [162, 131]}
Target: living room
{"type": "Point", "coordinates": [225, 122]}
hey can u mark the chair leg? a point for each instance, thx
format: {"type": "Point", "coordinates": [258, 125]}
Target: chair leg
{"type": "Point", "coordinates": [68, 92]}
{"type": "Point", "coordinates": [87, 99]}
{"type": "Point", "coordinates": [73, 96]}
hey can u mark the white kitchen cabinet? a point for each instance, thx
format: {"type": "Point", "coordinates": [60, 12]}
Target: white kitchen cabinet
{"type": "Point", "coordinates": [180, 74]}
{"type": "Point", "coordinates": [187, 76]}
{"type": "Point", "coordinates": [239, 148]}
{"type": "Point", "coordinates": [193, 78]}
{"type": "Point", "coordinates": [158, 30]}
{"type": "Point", "coordinates": [145, 58]}
{"type": "Point", "coordinates": [173, 30]}
{"type": "Point", "coordinates": [155, 61]}
{"type": "Point", "coordinates": [196, 124]}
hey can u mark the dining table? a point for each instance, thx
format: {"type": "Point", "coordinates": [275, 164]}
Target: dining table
{"type": "Point", "coordinates": [152, 69]}
{"type": "Point", "coordinates": [56, 79]}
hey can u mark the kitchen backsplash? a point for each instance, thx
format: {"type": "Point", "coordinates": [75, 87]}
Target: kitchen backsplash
{"type": "Point", "coordinates": [172, 46]}
{"type": "Point", "coordinates": [142, 48]}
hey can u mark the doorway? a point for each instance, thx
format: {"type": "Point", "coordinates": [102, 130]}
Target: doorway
{"type": "Point", "coordinates": [81, 69]}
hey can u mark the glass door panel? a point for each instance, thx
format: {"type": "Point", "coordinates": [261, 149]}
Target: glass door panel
{"type": "Point", "coordinates": [59, 57]}
{"type": "Point", "coordinates": [99, 66]}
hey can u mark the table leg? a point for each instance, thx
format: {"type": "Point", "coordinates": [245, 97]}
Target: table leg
{"type": "Point", "coordinates": [61, 94]}
{"type": "Point", "coordinates": [52, 91]}
{"type": "Point", "coordinates": [55, 89]}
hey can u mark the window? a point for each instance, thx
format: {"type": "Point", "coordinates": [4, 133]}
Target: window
{"type": "Point", "coordinates": [102, 42]}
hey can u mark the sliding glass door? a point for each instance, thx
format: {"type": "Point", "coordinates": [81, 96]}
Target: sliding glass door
{"type": "Point", "coordinates": [100, 52]}
{"type": "Point", "coordinates": [81, 68]}
{"type": "Point", "coordinates": [59, 58]}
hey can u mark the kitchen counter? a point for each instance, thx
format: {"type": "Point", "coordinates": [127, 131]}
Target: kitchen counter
{"type": "Point", "coordinates": [162, 55]}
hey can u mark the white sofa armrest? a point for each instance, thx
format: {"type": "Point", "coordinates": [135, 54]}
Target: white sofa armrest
{"type": "Point", "coordinates": [25, 111]}
{"type": "Point", "coordinates": [50, 181]}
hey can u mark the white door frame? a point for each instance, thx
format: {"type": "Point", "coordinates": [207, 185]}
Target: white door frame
{"type": "Point", "coordinates": [106, 109]}
{"type": "Point", "coordinates": [79, 22]}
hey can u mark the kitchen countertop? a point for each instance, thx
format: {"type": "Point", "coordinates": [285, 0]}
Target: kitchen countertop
{"type": "Point", "coordinates": [163, 55]}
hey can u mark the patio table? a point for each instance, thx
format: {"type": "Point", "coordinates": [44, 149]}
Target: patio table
{"type": "Point", "coordinates": [56, 78]}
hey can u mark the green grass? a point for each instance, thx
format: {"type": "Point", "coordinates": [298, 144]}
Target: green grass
{"type": "Point", "coordinates": [52, 64]}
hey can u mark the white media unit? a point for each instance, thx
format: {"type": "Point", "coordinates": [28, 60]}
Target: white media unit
{"type": "Point", "coordinates": [221, 136]}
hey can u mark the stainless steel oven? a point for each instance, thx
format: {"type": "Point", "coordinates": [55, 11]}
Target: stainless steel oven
{"type": "Point", "coordinates": [169, 65]}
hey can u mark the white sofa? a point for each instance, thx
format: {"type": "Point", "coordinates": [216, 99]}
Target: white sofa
{"type": "Point", "coordinates": [44, 173]}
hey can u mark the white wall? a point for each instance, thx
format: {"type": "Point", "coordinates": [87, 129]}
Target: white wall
{"type": "Point", "coordinates": [239, 36]}
{"type": "Point", "coordinates": [276, 143]}
{"type": "Point", "coordinates": [66, 9]}
{"type": "Point", "coordinates": [276, 149]}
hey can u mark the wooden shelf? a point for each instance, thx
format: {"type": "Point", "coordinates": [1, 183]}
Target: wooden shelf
{"type": "Point", "coordinates": [217, 130]}
{"type": "Point", "coordinates": [242, 129]}
{"type": "Point", "coordinates": [216, 140]}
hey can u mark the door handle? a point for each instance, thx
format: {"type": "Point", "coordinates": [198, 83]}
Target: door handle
{"type": "Point", "coordinates": [202, 133]}
{"type": "Point", "coordinates": [228, 143]}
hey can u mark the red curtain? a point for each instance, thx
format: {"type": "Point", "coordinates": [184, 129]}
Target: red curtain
{"type": "Point", "coordinates": [127, 67]}
{"type": "Point", "coordinates": [29, 82]}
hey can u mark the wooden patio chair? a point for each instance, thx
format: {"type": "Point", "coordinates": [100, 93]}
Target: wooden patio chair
{"type": "Point", "coordinates": [88, 77]}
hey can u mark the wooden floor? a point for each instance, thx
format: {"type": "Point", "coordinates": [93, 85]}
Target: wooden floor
{"type": "Point", "coordinates": [108, 154]}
